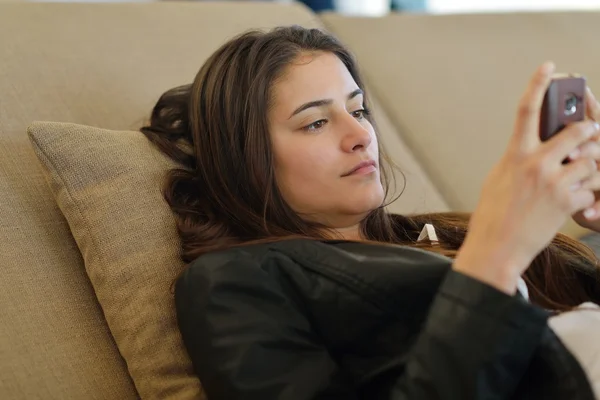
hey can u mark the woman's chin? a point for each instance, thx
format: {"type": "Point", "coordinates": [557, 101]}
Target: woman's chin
{"type": "Point", "coordinates": [364, 203]}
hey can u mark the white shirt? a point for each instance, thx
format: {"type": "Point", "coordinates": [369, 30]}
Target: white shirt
{"type": "Point", "coordinates": [579, 330]}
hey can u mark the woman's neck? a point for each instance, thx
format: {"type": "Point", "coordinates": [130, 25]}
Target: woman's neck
{"type": "Point", "coordinates": [349, 233]}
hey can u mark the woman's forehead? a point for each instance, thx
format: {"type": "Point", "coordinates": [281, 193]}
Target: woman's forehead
{"type": "Point", "coordinates": [314, 76]}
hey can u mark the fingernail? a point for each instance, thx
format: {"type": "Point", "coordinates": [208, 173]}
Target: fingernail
{"type": "Point", "coordinates": [591, 132]}
{"type": "Point", "coordinates": [589, 213]}
{"type": "Point", "coordinates": [548, 67]}
{"type": "Point", "coordinates": [576, 186]}
{"type": "Point", "coordinates": [574, 154]}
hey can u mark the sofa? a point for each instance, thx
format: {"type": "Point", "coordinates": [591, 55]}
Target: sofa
{"type": "Point", "coordinates": [88, 249]}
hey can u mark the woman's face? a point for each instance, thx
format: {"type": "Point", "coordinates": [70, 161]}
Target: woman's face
{"type": "Point", "coordinates": [325, 150]}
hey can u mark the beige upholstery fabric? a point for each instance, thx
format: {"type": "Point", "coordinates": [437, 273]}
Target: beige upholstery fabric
{"type": "Point", "coordinates": [102, 65]}
{"type": "Point", "coordinates": [451, 83]}
{"type": "Point", "coordinates": [54, 342]}
{"type": "Point", "coordinates": [413, 189]}
{"type": "Point", "coordinates": [108, 186]}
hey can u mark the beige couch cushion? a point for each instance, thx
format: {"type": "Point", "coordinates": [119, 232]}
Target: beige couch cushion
{"type": "Point", "coordinates": [451, 83]}
{"type": "Point", "coordinates": [108, 186]}
{"type": "Point", "coordinates": [54, 342]}
{"type": "Point", "coordinates": [414, 191]}
{"type": "Point", "coordinates": [95, 64]}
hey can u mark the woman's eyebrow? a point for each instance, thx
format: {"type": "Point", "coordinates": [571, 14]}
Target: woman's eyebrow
{"type": "Point", "coordinates": [323, 102]}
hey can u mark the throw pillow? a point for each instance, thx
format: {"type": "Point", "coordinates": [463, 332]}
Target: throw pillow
{"type": "Point", "coordinates": [108, 186]}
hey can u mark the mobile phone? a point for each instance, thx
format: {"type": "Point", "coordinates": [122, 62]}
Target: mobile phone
{"type": "Point", "coordinates": [564, 103]}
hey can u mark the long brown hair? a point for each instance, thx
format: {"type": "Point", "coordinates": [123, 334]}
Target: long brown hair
{"type": "Point", "coordinates": [224, 193]}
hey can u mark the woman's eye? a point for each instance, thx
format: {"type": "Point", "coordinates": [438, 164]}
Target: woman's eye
{"type": "Point", "coordinates": [315, 126]}
{"type": "Point", "coordinates": [359, 114]}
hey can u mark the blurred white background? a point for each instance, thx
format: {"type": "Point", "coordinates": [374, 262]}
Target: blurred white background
{"type": "Point", "coordinates": [454, 6]}
{"type": "Point", "coordinates": [381, 7]}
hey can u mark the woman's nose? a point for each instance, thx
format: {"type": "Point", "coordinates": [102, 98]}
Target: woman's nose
{"type": "Point", "coordinates": [355, 137]}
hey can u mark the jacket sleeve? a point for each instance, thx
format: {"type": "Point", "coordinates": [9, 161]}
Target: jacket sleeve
{"type": "Point", "coordinates": [476, 343]}
{"type": "Point", "coordinates": [248, 340]}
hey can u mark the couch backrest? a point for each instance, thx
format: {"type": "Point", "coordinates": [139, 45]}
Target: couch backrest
{"type": "Point", "coordinates": [103, 65]}
{"type": "Point", "coordinates": [451, 83]}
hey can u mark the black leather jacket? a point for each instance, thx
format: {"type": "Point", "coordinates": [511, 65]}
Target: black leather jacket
{"type": "Point", "coordinates": [300, 319]}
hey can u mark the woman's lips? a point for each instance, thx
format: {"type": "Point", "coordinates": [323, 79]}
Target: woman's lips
{"type": "Point", "coordinates": [365, 170]}
{"type": "Point", "coordinates": [362, 168]}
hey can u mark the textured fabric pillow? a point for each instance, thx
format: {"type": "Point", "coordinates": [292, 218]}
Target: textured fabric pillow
{"type": "Point", "coordinates": [108, 186]}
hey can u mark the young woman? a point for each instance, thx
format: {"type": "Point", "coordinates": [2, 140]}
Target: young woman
{"type": "Point", "coordinates": [301, 286]}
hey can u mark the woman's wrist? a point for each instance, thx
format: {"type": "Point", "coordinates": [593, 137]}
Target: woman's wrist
{"type": "Point", "coordinates": [494, 267]}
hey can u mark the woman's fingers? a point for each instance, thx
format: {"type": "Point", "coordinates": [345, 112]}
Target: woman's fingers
{"type": "Point", "coordinates": [590, 149]}
{"type": "Point", "coordinates": [566, 143]}
{"type": "Point", "coordinates": [526, 134]}
{"type": "Point", "coordinates": [583, 199]}
{"type": "Point", "coordinates": [576, 172]}
{"type": "Point", "coordinates": [584, 191]}
{"type": "Point", "coordinates": [591, 105]}
{"type": "Point", "coordinates": [592, 183]}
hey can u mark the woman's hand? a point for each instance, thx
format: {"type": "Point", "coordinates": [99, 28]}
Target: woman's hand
{"type": "Point", "coordinates": [590, 217]}
{"type": "Point", "coordinates": [528, 195]}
